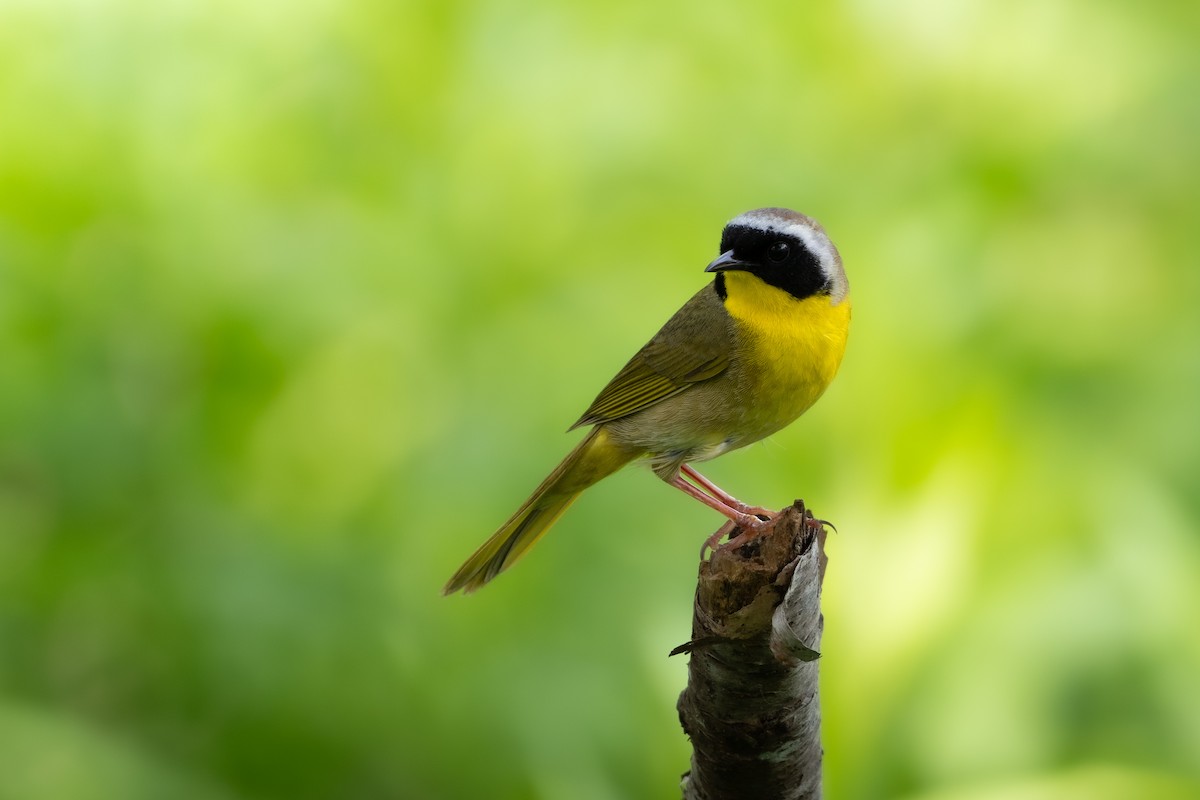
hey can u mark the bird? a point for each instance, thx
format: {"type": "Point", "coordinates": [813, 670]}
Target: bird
{"type": "Point", "coordinates": [742, 359]}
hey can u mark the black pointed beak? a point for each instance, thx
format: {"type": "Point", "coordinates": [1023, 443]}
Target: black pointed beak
{"type": "Point", "coordinates": [726, 261]}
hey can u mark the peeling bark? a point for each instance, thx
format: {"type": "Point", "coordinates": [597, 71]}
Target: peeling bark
{"type": "Point", "coordinates": [751, 707]}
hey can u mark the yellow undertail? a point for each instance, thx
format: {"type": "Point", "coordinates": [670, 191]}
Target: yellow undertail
{"type": "Point", "coordinates": [594, 458]}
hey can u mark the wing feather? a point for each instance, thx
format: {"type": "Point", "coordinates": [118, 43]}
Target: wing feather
{"type": "Point", "coordinates": [693, 346]}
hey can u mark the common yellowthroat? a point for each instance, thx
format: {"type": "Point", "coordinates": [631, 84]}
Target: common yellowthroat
{"type": "Point", "coordinates": [748, 354]}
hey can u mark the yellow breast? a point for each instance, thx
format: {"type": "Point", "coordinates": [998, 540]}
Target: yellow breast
{"type": "Point", "coordinates": [790, 348]}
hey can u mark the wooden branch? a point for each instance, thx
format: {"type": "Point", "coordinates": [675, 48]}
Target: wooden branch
{"type": "Point", "coordinates": [751, 706]}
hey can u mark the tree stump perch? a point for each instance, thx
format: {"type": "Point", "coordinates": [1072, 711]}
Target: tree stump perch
{"type": "Point", "coordinates": [751, 707]}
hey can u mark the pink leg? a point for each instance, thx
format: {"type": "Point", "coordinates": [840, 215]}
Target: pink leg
{"type": "Point", "coordinates": [739, 518]}
{"type": "Point", "coordinates": [726, 498]}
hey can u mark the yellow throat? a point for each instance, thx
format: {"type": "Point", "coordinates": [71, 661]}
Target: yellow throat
{"type": "Point", "coordinates": [793, 346]}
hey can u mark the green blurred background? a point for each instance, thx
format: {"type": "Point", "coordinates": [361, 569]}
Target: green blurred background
{"type": "Point", "coordinates": [297, 299]}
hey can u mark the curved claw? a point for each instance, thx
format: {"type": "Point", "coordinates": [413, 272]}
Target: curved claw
{"type": "Point", "coordinates": [712, 542]}
{"type": "Point", "coordinates": [824, 523]}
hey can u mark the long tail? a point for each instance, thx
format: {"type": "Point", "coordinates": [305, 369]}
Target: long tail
{"type": "Point", "coordinates": [596, 457]}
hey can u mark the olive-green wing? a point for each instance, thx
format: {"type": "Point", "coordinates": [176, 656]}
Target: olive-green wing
{"type": "Point", "coordinates": [693, 346]}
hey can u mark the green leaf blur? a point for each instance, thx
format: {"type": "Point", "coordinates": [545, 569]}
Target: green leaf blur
{"type": "Point", "coordinates": [297, 299]}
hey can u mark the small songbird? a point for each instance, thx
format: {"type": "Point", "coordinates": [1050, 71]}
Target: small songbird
{"type": "Point", "coordinates": [748, 354]}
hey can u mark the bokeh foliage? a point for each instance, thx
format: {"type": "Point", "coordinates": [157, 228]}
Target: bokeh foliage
{"type": "Point", "coordinates": [296, 300]}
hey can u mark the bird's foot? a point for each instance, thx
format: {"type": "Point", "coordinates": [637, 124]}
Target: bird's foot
{"type": "Point", "coordinates": [749, 527]}
{"type": "Point", "coordinates": [758, 511]}
{"type": "Point", "coordinates": [745, 537]}
{"type": "Point", "coordinates": [713, 541]}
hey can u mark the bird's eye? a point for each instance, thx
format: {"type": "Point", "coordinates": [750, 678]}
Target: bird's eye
{"type": "Point", "coordinates": [779, 252]}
